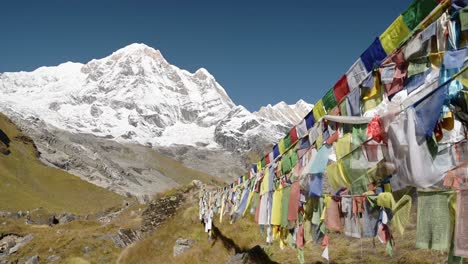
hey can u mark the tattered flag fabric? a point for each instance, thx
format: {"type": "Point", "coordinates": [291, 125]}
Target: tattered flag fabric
{"type": "Point", "coordinates": [428, 112]}
{"type": "Point", "coordinates": [429, 32]}
{"type": "Point", "coordinates": [454, 58]}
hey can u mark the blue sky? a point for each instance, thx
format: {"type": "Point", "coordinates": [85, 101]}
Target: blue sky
{"type": "Point", "coordinates": [261, 52]}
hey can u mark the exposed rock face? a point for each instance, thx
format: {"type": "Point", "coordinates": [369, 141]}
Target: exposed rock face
{"type": "Point", "coordinates": [160, 210]}
{"type": "Point", "coordinates": [10, 244]}
{"type": "Point", "coordinates": [182, 245]}
{"type": "Point", "coordinates": [126, 237]}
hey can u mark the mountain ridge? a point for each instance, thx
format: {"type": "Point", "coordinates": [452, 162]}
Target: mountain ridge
{"type": "Point", "coordinates": [134, 95]}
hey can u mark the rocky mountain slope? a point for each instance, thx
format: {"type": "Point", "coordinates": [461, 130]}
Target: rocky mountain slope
{"type": "Point", "coordinates": [107, 120]}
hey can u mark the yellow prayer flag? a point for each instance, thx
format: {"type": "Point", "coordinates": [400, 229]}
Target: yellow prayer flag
{"type": "Point", "coordinates": [394, 34]}
{"type": "Point", "coordinates": [318, 110]}
{"type": "Point", "coordinates": [281, 146]}
{"type": "Point", "coordinates": [343, 146]}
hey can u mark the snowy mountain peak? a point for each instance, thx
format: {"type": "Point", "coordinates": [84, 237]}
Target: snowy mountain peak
{"type": "Point", "coordinates": [139, 49]}
{"type": "Point", "coordinates": [203, 74]}
{"type": "Point", "coordinates": [283, 113]}
{"type": "Point", "coordinates": [135, 95]}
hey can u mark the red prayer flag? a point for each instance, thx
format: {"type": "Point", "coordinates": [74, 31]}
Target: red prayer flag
{"type": "Point", "coordinates": [293, 135]}
{"type": "Point", "coordinates": [341, 88]}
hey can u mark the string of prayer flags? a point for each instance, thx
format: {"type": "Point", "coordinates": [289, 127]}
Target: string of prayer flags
{"type": "Point", "coordinates": [385, 126]}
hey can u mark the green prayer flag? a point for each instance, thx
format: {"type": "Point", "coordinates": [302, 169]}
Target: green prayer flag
{"type": "Point", "coordinates": [287, 142]}
{"type": "Point", "coordinates": [417, 68]}
{"type": "Point", "coordinates": [285, 206]}
{"type": "Point", "coordinates": [464, 18]}
{"type": "Point", "coordinates": [434, 228]}
{"type": "Point", "coordinates": [286, 163]}
{"type": "Point", "coordinates": [329, 100]}
{"type": "Point", "coordinates": [358, 135]}
{"type": "Point", "coordinates": [359, 186]}
{"type": "Point", "coordinates": [417, 11]}
{"type": "Point", "coordinates": [343, 110]}
{"type": "Point", "coordinates": [293, 157]}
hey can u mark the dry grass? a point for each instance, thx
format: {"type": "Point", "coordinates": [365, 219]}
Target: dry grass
{"type": "Point", "coordinates": [68, 241]}
{"type": "Point", "coordinates": [245, 234]}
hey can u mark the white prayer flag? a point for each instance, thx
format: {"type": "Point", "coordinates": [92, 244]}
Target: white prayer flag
{"type": "Point", "coordinates": [325, 254]}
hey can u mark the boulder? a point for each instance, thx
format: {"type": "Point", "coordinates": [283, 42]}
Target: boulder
{"type": "Point", "coordinates": [33, 260]}
{"type": "Point", "coordinates": [53, 258]}
{"type": "Point", "coordinates": [182, 245]}
{"type": "Point", "coordinates": [66, 218]}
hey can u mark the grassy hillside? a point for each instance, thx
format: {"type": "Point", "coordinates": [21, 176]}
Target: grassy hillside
{"type": "Point", "coordinates": [245, 234]}
{"type": "Point", "coordinates": [26, 183]}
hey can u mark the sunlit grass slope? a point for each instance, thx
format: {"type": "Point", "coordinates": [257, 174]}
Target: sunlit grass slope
{"type": "Point", "coordinates": [26, 183]}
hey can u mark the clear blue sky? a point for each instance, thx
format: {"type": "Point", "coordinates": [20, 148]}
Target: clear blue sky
{"type": "Point", "coordinates": [260, 51]}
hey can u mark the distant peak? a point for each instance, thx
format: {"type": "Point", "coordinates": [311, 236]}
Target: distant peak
{"type": "Point", "coordinates": [280, 104]}
{"type": "Point", "coordinates": [135, 47]}
{"type": "Point", "coordinates": [203, 73]}
{"type": "Point", "coordinates": [300, 101]}
{"type": "Point", "coordinates": [139, 48]}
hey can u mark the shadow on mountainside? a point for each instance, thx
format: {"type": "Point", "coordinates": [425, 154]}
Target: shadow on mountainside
{"type": "Point", "coordinates": [242, 255]}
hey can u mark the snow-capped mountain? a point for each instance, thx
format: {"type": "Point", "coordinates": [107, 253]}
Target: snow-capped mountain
{"type": "Point", "coordinates": [134, 95]}
{"type": "Point", "coordinates": [92, 120]}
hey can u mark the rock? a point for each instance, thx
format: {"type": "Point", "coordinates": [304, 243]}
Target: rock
{"type": "Point", "coordinates": [20, 243]}
{"type": "Point", "coordinates": [160, 210]}
{"type": "Point", "coordinates": [87, 249]}
{"type": "Point", "coordinates": [53, 258]}
{"type": "Point", "coordinates": [182, 245]}
{"type": "Point", "coordinates": [126, 237]}
{"type": "Point", "coordinates": [33, 260]}
{"type": "Point", "coordinates": [197, 184]}
{"type": "Point", "coordinates": [66, 218]}
{"type": "Point", "coordinates": [12, 243]}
